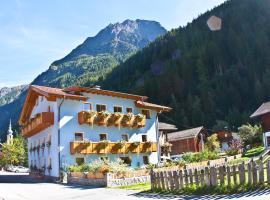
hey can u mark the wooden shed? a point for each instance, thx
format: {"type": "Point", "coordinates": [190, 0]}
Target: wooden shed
{"type": "Point", "coordinates": [187, 140]}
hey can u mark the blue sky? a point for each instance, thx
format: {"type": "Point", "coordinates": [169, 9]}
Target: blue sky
{"type": "Point", "coordinates": [34, 33]}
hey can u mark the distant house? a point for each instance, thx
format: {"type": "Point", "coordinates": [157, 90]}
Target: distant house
{"type": "Point", "coordinates": [187, 140]}
{"type": "Point", "coordinates": [225, 138]}
{"type": "Point", "coordinates": [164, 129]}
{"type": "Point", "coordinates": [263, 114]}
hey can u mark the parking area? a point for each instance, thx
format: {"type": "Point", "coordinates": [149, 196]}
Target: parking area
{"type": "Point", "coordinates": [18, 186]}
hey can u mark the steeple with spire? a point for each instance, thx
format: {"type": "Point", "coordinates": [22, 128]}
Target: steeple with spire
{"type": "Point", "coordinates": [9, 134]}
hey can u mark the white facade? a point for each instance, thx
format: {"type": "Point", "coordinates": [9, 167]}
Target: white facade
{"type": "Point", "coordinates": [67, 125]}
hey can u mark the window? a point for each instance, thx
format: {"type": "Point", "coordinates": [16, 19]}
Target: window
{"type": "Point", "coordinates": [146, 160]}
{"type": "Point", "coordinates": [78, 136]}
{"type": "Point", "coordinates": [125, 137]}
{"type": "Point", "coordinates": [144, 138]}
{"type": "Point", "coordinates": [80, 161]}
{"type": "Point", "coordinates": [129, 110]}
{"type": "Point", "coordinates": [100, 107]}
{"type": "Point", "coordinates": [102, 136]}
{"type": "Point", "coordinates": [117, 109]}
{"type": "Point", "coordinates": [87, 106]}
{"type": "Point", "coordinates": [146, 113]}
{"type": "Point", "coordinates": [127, 160]}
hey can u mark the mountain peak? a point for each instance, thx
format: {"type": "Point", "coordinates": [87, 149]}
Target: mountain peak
{"type": "Point", "coordinates": [118, 38]}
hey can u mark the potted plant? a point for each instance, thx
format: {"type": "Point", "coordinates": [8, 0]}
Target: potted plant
{"type": "Point", "coordinates": [102, 117]}
{"type": "Point", "coordinates": [148, 143]}
{"type": "Point", "coordinates": [135, 144]}
{"type": "Point", "coordinates": [90, 116]}
{"type": "Point", "coordinates": [104, 142]}
{"type": "Point", "coordinates": [121, 143]}
{"type": "Point", "coordinates": [139, 121]}
{"type": "Point", "coordinates": [127, 119]}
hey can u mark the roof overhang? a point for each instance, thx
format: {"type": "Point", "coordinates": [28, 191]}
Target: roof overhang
{"type": "Point", "coordinates": [158, 108]}
{"type": "Point", "coordinates": [51, 94]}
{"type": "Point", "coordinates": [105, 92]}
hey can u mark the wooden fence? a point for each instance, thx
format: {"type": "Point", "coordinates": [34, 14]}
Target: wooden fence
{"type": "Point", "coordinates": [253, 174]}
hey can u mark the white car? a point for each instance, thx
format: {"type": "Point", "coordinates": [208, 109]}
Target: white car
{"type": "Point", "coordinates": [20, 169]}
{"type": "Point", "coordinates": [177, 158]}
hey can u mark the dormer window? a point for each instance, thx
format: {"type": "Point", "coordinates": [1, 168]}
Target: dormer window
{"type": "Point", "coordinates": [101, 107]}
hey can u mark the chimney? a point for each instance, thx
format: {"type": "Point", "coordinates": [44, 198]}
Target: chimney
{"type": "Point", "coordinates": [97, 87]}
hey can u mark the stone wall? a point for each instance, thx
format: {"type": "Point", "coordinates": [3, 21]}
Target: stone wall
{"type": "Point", "coordinates": [109, 180]}
{"type": "Point", "coordinates": [127, 181]}
{"type": "Point", "coordinates": [87, 181]}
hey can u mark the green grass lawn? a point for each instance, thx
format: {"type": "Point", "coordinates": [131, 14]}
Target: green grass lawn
{"type": "Point", "coordinates": [141, 187]}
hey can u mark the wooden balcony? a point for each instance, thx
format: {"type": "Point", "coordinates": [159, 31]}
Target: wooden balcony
{"type": "Point", "coordinates": [83, 147]}
{"type": "Point", "coordinates": [111, 119]}
{"type": "Point", "coordinates": [37, 124]}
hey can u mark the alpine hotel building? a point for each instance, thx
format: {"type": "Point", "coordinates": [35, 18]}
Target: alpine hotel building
{"type": "Point", "coordinates": [79, 125]}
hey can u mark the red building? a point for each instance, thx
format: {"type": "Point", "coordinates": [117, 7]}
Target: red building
{"type": "Point", "coordinates": [263, 114]}
{"type": "Point", "coordinates": [187, 140]}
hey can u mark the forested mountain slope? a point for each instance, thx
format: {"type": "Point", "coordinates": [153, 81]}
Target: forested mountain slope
{"type": "Point", "coordinates": [206, 75]}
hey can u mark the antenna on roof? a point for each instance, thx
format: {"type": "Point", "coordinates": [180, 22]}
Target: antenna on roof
{"type": "Point", "coordinates": [97, 87]}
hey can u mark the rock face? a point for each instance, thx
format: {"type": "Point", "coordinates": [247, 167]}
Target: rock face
{"type": "Point", "coordinates": [9, 94]}
{"type": "Point", "coordinates": [118, 38]}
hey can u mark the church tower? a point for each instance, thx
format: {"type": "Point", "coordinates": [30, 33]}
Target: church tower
{"type": "Point", "coordinates": [9, 134]}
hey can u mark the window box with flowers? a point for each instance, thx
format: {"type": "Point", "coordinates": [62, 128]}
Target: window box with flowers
{"type": "Point", "coordinates": [115, 119]}
{"type": "Point", "coordinates": [139, 121]}
{"type": "Point", "coordinates": [128, 119]}
{"type": "Point", "coordinates": [102, 118]}
{"type": "Point", "coordinates": [134, 147]}
{"type": "Point", "coordinates": [102, 146]}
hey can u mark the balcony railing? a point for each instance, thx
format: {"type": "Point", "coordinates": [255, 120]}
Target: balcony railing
{"type": "Point", "coordinates": [37, 124]}
{"type": "Point", "coordinates": [112, 119]}
{"type": "Point", "coordinates": [84, 147]}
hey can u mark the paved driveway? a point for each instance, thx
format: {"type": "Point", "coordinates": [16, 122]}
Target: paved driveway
{"type": "Point", "coordinates": [22, 187]}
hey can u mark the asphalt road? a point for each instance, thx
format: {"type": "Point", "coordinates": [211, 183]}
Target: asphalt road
{"type": "Point", "coordinates": [22, 187]}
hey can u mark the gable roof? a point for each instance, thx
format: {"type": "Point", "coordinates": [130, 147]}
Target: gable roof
{"type": "Point", "coordinates": [263, 109]}
{"type": "Point", "coordinates": [165, 126]}
{"type": "Point", "coordinates": [185, 134]}
{"type": "Point", "coordinates": [74, 93]}
{"type": "Point", "coordinates": [105, 92]}
{"type": "Point", "coordinates": [50, 93]}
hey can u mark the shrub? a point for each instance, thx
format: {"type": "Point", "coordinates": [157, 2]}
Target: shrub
{"type": "Point", "coordinates": [212, 143]}
{"type": "Point", "coordinates": [235, 148]}
{"type": "Point", "coordinates": [199, 157]}
{"type": "Point", "coordinates": [117, 166]}
{"type": "Point", "coordinates": [250, 134]}
{"type": "Point", "coordinates": [254, 151]}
